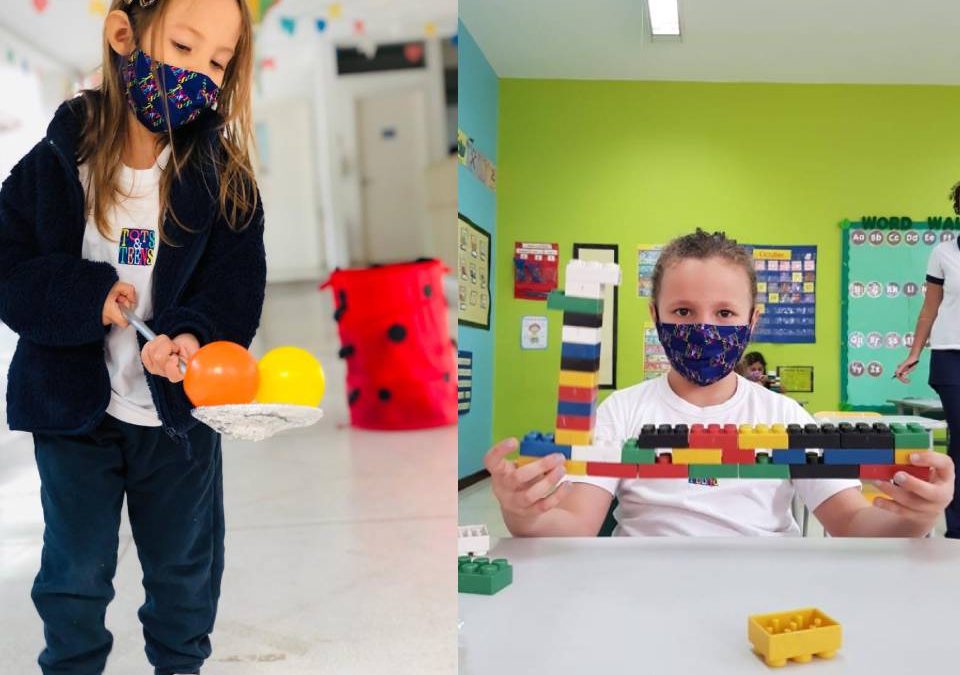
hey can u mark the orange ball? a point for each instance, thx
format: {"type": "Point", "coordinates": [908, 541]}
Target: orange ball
{"type": "Point", "coordinates": [221, 373]}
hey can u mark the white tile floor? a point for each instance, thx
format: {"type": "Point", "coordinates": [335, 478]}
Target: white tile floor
{"type": "Point", "coordinates": [338, 541]}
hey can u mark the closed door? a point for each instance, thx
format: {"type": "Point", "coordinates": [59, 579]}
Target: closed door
{"type": "Point", "coordinates": [393, 154]}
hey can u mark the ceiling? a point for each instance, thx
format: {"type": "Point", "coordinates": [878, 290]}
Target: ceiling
{"type": "Point", "coordinates": [829, 41]}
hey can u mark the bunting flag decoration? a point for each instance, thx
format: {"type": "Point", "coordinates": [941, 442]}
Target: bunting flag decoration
{"type": "Point", "coordinates": [321, 25]}
{"type": "Point", "coordinates": [335, 11]}
{"type": "Point", "coordinates": [40, 5]}
{"type": "Point", "coordinates": [288, 24]}
{"type": "Point", "coordinates": [97, 8]}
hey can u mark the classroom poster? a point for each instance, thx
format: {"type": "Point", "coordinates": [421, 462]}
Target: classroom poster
{"type": "Point", "coordinates": [476, 162]}
{"type": "Point", "coordinates": [884, 270]}
{"type": "Point", "coordinates": [533, 332]}
{"type": "Point", "coordinates": [473, 274]}
{"type": "Point", "coordinates": [786, 293]}
{"type": "Point", "coordinates": [464, 381]}
{"type": "Point", "coordinates": [535, 270]}
{"type": "Point", "coordinates": [655, 361]}
{"type": "Point", "coordinates": [608, 332]}
{"type": "Point", "coordinates": [647, 256]}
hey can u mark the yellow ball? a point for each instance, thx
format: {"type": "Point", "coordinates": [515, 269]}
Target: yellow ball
{"type": "Point", "coordinates": [291, 375]}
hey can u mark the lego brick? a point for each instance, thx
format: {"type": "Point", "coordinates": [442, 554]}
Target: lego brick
{"type": "Point", "coordinates": [689, 456]}
{"type": "Point", "coordinates": [902, 456]}
{"type": "Point", "coordinates": [631, 454]}
{"type": "Point", "coordinates": [824, 471]}
{"type": "Point", "coordinates": [781, 471]}
{"type": "Point", "coordinates": [572, 378]}
{"type": "Point", "coordinates": [664, 436]}
{"type": "Point", "coordinates": [559, 300]}
{"type": "Point", "coordinates": [582, 320]}
{"type": "Point", "coordinates": [739, 457]}
{"type": "Point", "coordinates": [713, 471]}
{"type": "Point", "coordinates": [596, 453]}
{"type": "Point", "coordinates": [574, 437]}
{"type": "Point", "coordinates": [910, 437]}
{"type": "Point", "coordinates": [580, 365]}
{"type": "Point", "coordinates": [887, 471]}
{"type": "Point", "coordinates": [857, 456]}
{"type": "Point", "coordinates": [483, 576]}
{"type": "Point", "coordinates": [796, 456]}
{"type": "Point", "coordinates": [575, 351]}
{"type": "Point", "coordinates": [577, 395]}
{"type": "Point", "coordinates": [472, 540]}
{"type": "Point", "coordinates": [866, 436]}
{"type": "Point", "coordinates": [580, 336]}
{"type": "Point", "coordinates": [582, 409]}
{"type": "Point", "coordinates": [813, 436]}
{"type": "Point", "coordinates": [752, 436]}
{"type": "Point", "coordinates": [612, 470]}
{"type": "Point", "coordinates": [663, 470]}
{"type": "Point", "coordinates": [576, 422]}
{"type": "Point", "coordinates": [575, 468]}
{"type": "Point", "coordinates": [583, 289]}
{"type": "Point", "coordinates": [797, 635]}
{"type": "Point", "coordinates": [592, 271]}
{"type": "Point", "coordinates": [543, 448]}
{"type": "Point", "coordinates": [714, 436]}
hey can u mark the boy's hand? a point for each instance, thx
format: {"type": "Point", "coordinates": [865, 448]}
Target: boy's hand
{"type": "Point", "coordinates": [529, 490]}
{"type": "Point", "coordinates": [161, 356]}
{"type": "Point", "coordinates": [916, 499]}
{"type": "Point", "coordinates": [121, 294]}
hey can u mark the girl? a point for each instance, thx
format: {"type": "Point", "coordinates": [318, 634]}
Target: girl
{"type": "Point", "coordinates": [140, 196]}
{"type": "Point", "coordinates": [753, 367]}
{"type": "Point", "coordinates": [703, 292]}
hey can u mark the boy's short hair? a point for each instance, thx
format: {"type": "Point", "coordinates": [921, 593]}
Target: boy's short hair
{"type": "Point", "coordinates": [701, 246]}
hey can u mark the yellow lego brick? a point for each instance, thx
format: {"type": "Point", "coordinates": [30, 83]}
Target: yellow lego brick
{"type": "Point", "coordinates": [903, 456]}
{"type": "Point", "coordinates": [523, 460]}
{"type": "Point", "coordinates": [573, 437]}
{"type": "Point", "coordinates": [751, 437]}
{"type": "Point", "coordinates": [799, 634]}
{"type": "Point", "coordinates": [575, 468]}
{"type": "Point", "coordinates": [573, 378]}
{"type": "Point", "coordinates": [688, 456]}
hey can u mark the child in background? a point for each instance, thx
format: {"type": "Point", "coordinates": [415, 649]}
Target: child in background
{"type": "Point", "coordinates": [753, 367]}
{"type": "Point", "coordinates": [704, 287]}
{"type": "Point", "coordinates": [141, 196]}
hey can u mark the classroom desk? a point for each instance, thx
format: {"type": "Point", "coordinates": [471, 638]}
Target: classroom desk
{"type": "Point", "coordinates": [680, 605]}
{"type": "Point", "coordinates": [916, 406]}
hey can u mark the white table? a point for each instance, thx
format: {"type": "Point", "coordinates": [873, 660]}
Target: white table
{"type": "Point", "coordinates": [680, 605]}
{"type": "Point", "coordinates": [917, 405]}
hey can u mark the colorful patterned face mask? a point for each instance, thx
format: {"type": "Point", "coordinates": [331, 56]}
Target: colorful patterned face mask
{"type": "Point", "coordinates": [701, 352]}
{"type": "Point", "coordinates": [188, 93]}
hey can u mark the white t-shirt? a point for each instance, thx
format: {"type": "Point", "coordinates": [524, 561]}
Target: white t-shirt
{"type": "Point", "coordinates": [132, 250]}
{"type": "Point", "coordinates": [716, 507]}
{"type": "Point", "coordinates": [944, 268]}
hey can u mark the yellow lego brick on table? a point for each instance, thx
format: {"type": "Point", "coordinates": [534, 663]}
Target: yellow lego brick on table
{"type": "Point", "coordinates": [799, 634]}
{"type": "Point", "coordinates": [574, 378]}
{"type": "Point", "coordinates": [753, 436]}
{"type": "Point", "coordinates": [697, 456]}
{"type": "Point", "coordinates": [903, 456]}
{"type": "Point", "coordinates": [573, 437]}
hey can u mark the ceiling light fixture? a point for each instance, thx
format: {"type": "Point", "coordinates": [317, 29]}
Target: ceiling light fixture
{"type": "Point", "coordinates": [664, 17]}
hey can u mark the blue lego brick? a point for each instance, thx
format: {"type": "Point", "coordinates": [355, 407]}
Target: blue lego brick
{"type": "Point", "coordinates": [530, 448]}
{"type": "Point", "coordinates": [795, 456]}
{"type": "Point", "coordinates": [574, 351]}
{"type": "Point", "coordinates": [578, 409]}
{"type": "Point", "coordinates": [858, 456]}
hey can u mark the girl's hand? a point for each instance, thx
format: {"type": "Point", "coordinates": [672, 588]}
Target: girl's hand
{"type": "Point", "coordinates": [916, 499]}
{"type": "Point", "coordinates": [904, 368]}
{"type": "Point", "coordinates": [529, 490]}
{"type": "Point", "coordinates": [162, 356]}
{"type": "Point", "coordinates": [121, 294]}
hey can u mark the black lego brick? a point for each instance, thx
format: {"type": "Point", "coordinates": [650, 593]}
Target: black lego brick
{"type": "Point", "coordinates": [664, 436]}
{"type": "Point", "coordinates": [824, 471]}
{"type": "Point", "coordinates": [813, 436]}
{"type": "Point", "coordinates": [863, 436]}
{"type": "Point", "coordinates": [582, 320]}
{"type": "Point", "coordinates": [580, 365]}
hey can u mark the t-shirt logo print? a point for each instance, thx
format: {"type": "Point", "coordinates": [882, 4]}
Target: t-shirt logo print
{"type": "Point", "coordinates": [137, 246]}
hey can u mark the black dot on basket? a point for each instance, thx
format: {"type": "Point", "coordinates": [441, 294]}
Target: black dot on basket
{"type": "Point", "coordinates": [446, 377]}
{"type": "Point", "coordinates": [354, 395]}
{"type": "Point", "coordinates": [397, 333]}
{"type": "Point", "coordinates": [346, 352]}
{"type": "Point", "coordinates": [428, 290]}
{"type": "Point", "coordinates": [384, 394]}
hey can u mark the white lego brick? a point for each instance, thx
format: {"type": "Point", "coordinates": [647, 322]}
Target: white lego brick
{"type": "Point", "coordinates": [593, 272]}
{"type": "Point", "coordinates": [595, 453]}
{"type": "Point", "coordinates": [574, 289]}
{"type": "Point", "coordinates": [581, 336]}
{"type": "Point", "coordinates": [473, 540]}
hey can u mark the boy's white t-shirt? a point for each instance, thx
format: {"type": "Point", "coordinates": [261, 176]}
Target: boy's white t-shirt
{"type": "Point", "coordinates": [944, 265]}
{"type": "Point", "coordinates": [132, 250]}
{"type": "Point", "coordinates": [715, 507]}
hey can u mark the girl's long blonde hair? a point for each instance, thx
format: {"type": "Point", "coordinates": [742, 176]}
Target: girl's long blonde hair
{"type": "Point", "coordinates": [106, 122]}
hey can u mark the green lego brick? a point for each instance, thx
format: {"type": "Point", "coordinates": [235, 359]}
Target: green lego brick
{"type": "Point", "coordinates": [557, 300]}
{"type": "Point", "coordinates": [631, 454]}
{"type": "Point", "coordinates": [780, 471]}
{"type": "Point", "coordinates": [482, 576]}
{"type": "Point", "coordinates": [713, 470]}
{"type": "Point", "coordinates": [910, 437]}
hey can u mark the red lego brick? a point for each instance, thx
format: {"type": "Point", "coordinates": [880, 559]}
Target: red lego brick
{"type": "Point", "coordinates": [577, 394]}
{"type": "Point", "coordinates": [575, 422]}
{"type": "Point", "coordinates": [714, 436]}
{"type": "Point", "coordinates": [887, 471]}
{"type": "Point", "coordinates": [663, 470]}
{"type": "Point", "coordinates": [738, 456]}
{"type": "Point", "coordinates": [612, 470]}
{"type": "Point", "coordinates": [664, 458]}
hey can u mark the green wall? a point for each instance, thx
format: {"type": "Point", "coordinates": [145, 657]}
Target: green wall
{"type": "Point", "coordinates": [641, 162]}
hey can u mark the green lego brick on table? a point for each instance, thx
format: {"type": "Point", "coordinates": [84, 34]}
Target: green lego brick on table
{"type": "Point", "coordinates": [558, 300]}
{"type": "Point", "coordinates": [482, 576]}
{"type": "Point", "coordinates": [713, 471]}
{"type": "Point", "coordinates": [631, 454]}
{"type": "Point", "coordinates": [910, 437]}
{"type": "Point", "coordinates": [777, 471]}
